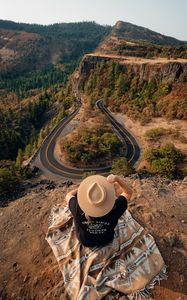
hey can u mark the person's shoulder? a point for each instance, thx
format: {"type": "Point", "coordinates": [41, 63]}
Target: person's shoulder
{"type": "Point", "coordinates": [121, 201]}
{"type": "Point", "coordinates": [72, 202]}
{"type": "Point", "coordinates": [121, 197]}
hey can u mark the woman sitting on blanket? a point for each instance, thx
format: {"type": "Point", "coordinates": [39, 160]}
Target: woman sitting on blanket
{"type": "Point", "coordinates": [96, 210]}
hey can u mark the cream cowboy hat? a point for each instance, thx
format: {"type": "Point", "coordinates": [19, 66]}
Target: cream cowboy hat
{"type": "Point", "coordinates": [96, 196]}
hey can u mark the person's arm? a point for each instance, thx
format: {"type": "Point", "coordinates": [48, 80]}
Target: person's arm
{"type": "Point", "coordinates": [71, 194]}
{"type": "Point", "coordinates": [127, 191]}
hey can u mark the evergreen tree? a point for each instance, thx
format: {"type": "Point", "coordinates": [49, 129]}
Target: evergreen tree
{"type": "Point", "coordinates": [19, 159]}
{"type": "Point", "coordinates": [7, 180]}
{"type": "Point", "coordinates": [120, 85]}
{"type": "Point", "coordinates": [121, 166]}
{"type": "Point", "coordinates": [28, 151]}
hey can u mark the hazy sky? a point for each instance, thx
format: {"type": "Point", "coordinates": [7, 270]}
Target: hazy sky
{"type": "Point", "coordinates": [165, 16]}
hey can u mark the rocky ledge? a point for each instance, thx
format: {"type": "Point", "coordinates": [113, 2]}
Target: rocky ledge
{"type": "Point", "coordinates": [28, 267]}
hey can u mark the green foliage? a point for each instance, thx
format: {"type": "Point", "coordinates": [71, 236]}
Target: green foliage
{"type": "Point", "coordinates": [162, 90]}
{"type": "Point", "coordinates": [89, 146]}
{"type": "Point", "coordinates": [121, 85]}
{"type": "Point", "coordinates": [62, 43]}
{"type": "Point", "coordinates": [123, 91]}
{"type": "Point", "coordinates": [164, 160]}
{"type": "Point", "coordinates": [121, 166]}
{"type": "Point", "coordinates": [23, 84]}
{"type": "Point", "coordinates": [28, 151]}
{"type": "Point", "coordinates": [26, 173]}
{"type": "Point", "coordinates": [19, 159]}
{"type": "Point", "coordinates": [109, 143]}
{"type": "Point", "coordinates": [20, 129]}
{"type": "Point", "coordinates": [164, 166]}
{"type": "Point", "coordinates": [148, 90]}
{"type": "Point", "coordinates": [7, 180]}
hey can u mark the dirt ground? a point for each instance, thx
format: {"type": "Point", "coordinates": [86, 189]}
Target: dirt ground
{"type": "Point", "coordinates": [138, 60]}
{"type": "Point", "coordinates": [27, 264]}
{"type": "Point", "coordinates": [139, 131]}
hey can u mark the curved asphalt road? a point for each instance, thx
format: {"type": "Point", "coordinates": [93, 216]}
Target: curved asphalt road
{"type": "Point", "coordinates": [132, 148]}
{"type": "Point", "coordinates": [51, 164]}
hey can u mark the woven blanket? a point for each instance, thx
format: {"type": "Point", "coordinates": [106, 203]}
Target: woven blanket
{"type": "Point", "coordinates": [130, 264]}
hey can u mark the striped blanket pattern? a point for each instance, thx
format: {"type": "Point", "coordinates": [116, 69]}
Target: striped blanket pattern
{"type": "Point", "coordinates": [130, 264]}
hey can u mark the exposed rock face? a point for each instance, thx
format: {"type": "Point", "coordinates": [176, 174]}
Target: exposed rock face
{"type": "Point", "coordinates": [145, 69]}
{"type": "Point", "coordinates": [28, 267]}
{"type": "Point", "coordinates": [89, 62]}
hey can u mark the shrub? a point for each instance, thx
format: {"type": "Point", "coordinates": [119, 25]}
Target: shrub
{"type": "Point", "coordinates": [162, 90]}
{"type": "Point", "coordinates": [154, 134]}
{"type": "Point", "coordinates": [90, 146]}
{"type": "Point", "coordinates": [7, 180]}
{"type": "Point", "coordinates": [121, 166]}
{"type": "Point", "coordinates": [164, 166]}
{"type": "Point", "coordinates": [164, 160]}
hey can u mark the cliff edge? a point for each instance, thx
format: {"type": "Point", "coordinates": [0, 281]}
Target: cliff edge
{"type": "Point", "coordinates": [28, 267]}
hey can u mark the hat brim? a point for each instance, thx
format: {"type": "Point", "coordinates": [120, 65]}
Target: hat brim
{"type": "Point", "coordinates": [86, 206]}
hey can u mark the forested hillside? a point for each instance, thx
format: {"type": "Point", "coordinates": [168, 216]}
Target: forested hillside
{"type": "Point", "coordinates": [35, 92]}
{"type": "Point", "coordinates": [30, 47]}
{"type": "Point", "coordinates": [34, 58]}
{"type": "Point", "coordinates": [141, 91]}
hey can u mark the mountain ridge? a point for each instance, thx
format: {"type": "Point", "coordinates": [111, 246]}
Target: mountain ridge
{"type": "Point", "coordinates": [121, 25]}
{"type": "Point", "coordinates": [127, 39]}
{"type": "Point", "coordinates": [57, 43]}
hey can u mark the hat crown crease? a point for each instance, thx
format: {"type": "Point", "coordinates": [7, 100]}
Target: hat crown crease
{"type": "Point", "coordinates": [96, 194]}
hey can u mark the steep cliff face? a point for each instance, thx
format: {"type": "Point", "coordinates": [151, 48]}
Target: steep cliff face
{"type": "Point", "coordinates": [146, 69]}
{"type": "Point", "coordinates": [137, 86]}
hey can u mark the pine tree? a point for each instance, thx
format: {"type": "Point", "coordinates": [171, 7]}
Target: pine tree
{"type": "Point", "coordinates": [28, 151]}
{"type": "Point", "coordinates": [19, 159]}
{"type": "Point", "coordinates": [120, 85]}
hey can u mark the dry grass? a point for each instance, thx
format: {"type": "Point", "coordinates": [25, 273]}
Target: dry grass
{"type": "Point", "coordinates": [138, 60]}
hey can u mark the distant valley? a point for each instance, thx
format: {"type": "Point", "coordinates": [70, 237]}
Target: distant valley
{"type": "Point", "coordinates": [54, 80]}
{"type": "Point", "coordinates": [136, 71]}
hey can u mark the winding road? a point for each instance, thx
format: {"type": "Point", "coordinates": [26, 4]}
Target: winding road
{"type": "Point", "coordinates": [132, 148]}
{"type": "Point", "coordinates": [50, 163]}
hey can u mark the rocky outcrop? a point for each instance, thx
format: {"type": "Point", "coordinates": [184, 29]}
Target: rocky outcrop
{"type": "Point", "coordinates": [89, 62]}
{"type": "Point", "coordinates": [162, 70]}
{"type": "Point", "coordinates": [28, 267]}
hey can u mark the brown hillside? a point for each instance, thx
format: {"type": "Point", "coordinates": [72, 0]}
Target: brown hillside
{"type": "Point", "coordinates": [14, 46]}
{"type": "Point", "coordinates": [132, 40]}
